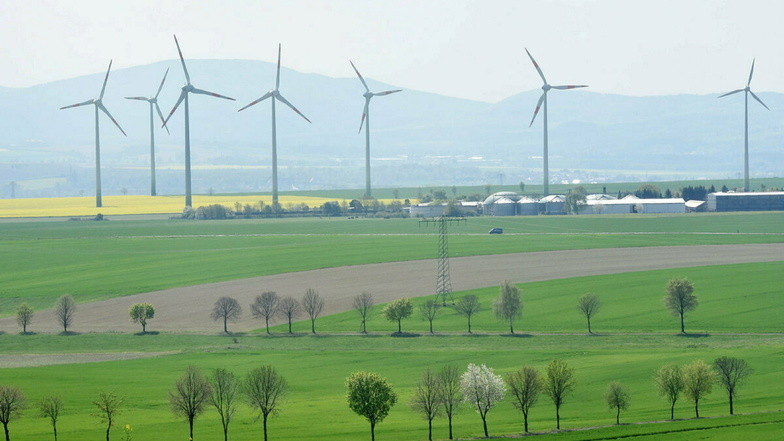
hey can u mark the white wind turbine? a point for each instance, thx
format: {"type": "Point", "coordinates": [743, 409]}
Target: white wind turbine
{"type": "Point", "coordinates": [153, 103]}
{"type": "Point", "coordinates": [98, 103]}
{"type": "Point", "coordinates": [748, 91]}
{"type": "Point", "coordinates": [543, 103]}
{"type": "Point", "coordinates": [276, 96]}
{"type": "Point", "coordinates": [366, 116]}
{"type": "Point", "coordinates": [187, 89]}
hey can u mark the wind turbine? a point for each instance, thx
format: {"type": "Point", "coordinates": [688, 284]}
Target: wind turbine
{"type": "Point", "coordinates": [276, 96]}
{"type": "Point", "coordinates": [366, 115]}
{"type": "Point", "coordinates": [543, 103]}
{"type": "Point", "coordinates": [153, 103]}
{"type": "Point", "coordinates": [187, 89]}
{"type": "Point", "coordinates": [98, 103]}
{"type": "Point", "coordinates": [748, 91]}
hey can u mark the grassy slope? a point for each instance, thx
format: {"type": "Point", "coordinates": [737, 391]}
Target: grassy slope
{"type": "Point", "coordinates": [95, 261]}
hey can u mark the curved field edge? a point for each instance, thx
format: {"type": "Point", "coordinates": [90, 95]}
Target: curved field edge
{"type": "Point", "coordinates": [102, 260]}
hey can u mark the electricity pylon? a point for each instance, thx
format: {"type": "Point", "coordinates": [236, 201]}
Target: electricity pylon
{"type": "Point", "coordinates": [443, 279]}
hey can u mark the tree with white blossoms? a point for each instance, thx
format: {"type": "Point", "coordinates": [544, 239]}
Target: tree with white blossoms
{"type": "Point", "coordinates": [482, 389]}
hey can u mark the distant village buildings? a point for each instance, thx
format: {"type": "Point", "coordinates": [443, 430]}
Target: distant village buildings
{"type": "Point", "coordinates": [507, 203]}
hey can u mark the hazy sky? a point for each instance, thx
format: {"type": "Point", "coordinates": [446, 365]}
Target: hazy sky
{"type": "Point", "coordinates": [465, 48]}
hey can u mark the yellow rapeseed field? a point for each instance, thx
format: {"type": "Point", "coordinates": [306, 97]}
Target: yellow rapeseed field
{"type": "Point", "coordinates": [119, 205]}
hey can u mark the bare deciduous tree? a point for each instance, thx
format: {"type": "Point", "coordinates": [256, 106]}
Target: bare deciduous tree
{"type": "Point", "coordinates": [224, 393]}
{"type": "Point", "coordinates": [589, 305]}
{"type": "Point", "coordinates": [617, 398]}
{"type": "Point", "coordinates": [50, 407]}
{"type": "Point", "coordinates": [429, 310]}
{"type": "Point", "coordinates": [449, 393]}
{"type": "Point", "coordinates": [265, 389]}
{"type": "Point", "coordinates": [265, 306]}
{"type": "Point", "coordinates": [12, 402]}
{"type": "Point", "coordinates": [468, 306]}
{"type": "Point", "coordinates": [24, 315]}
{"type": "Point", "coordinates": [363, 303]}
{"type": "Point", "coordinates": [64, 310]}
{"type": "Point", "coordinates": [191, 394]}
{"type": "Point", "coordinates": [313, 304]}
{"type": "Point", "coordinates": [669, 383]}
{"type": "Point", "coordinates": [228, 309]}
{"type": "Point", "coordinates": [289, 308]}
{"type": "Point", "coordinates": [731, 372]}
{"type": "Point", "coordinates": [109, 406]}
{"type": "Point", "coordinates": [680, 298]}
{"type": "Point", "coordinates": [559, 383]}
{"type": "Point", "coordinates": [426, 399]}
{"type": "Point", "coordinates": [525, 384]}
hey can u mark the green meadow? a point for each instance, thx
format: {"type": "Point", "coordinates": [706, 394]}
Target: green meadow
{"type": "Point", "coordinates": [738, 316]}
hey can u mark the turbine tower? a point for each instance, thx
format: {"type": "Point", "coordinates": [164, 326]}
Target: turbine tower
{"type": "Point", "coordinates": [543, 103]}
{"type": "Point", "coordinates": [366, 116]}
{"type": "Point", "coordinates": [748, 91]}
{"type": "Point", "coordinates": [98, 103]}
{"type": "Point", "coordinates": [153, 103]}
{"type": "Point", "coordinates": [276, 96]}
{"type": "Point", "coordinates": [187, 89]}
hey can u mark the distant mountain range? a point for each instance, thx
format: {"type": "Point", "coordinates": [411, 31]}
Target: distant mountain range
{"type": "Point", "coordinates": [418, 138]}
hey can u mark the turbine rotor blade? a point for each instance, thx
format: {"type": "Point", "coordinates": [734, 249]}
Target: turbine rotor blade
{"type": "Point", "coordinates": [365, 111]}
{"type": "Point", "coordinates": [162, 81]}
{"type": "Point", "coordinates": [360, 78]}
{"type": "Point", "coordinates": [177, 104]}
{"type": "Point", "coordinates": [751, 73]}
{"type": "Point", "coordinates": [105, 80]}
{"type": "Point", "coordinates": [284, 101]}
{"type": "Point", "coordinates": [204, 92]}
{"type": "Point", "coordinates": [79, 104]}
{"type": "Point", "coordinates": [106, 111]}
{"type": "Point", "coordinates": [162, 120]}
{"type": "Point", "coordinates": [759, 100]}
{"type": "Point", "coordinates": [184, 69]}
{"type": "Point", "coordinates": [536, 111]}
{"type": "Point", "coordinates": [387, 92]}
{"type": "Point", "coordinates": [140, 98]}
{"type": "Point", "coordinates": [538, 69]}
{"type": "Point", "coordinates": [277, 77]}
{"type": "Point", "coordinates": [730, 93]}
{"type": "Point", "coordinates": [264, 97]}
{"type": "Point", "coordinates": [568, 87]}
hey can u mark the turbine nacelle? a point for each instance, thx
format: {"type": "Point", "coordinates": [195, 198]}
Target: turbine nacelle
{"type": "Point", "coordinates": [546, 87]}
{"type": "Point", "coordinates": [368, 94]}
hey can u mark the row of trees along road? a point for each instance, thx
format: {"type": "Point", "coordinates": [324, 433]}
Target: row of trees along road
{"type": "Point", "coordinates": [268, 305]}
{"type": "Point", "coordinates": [508, 306]}
{"type": "Point", "coordinates": [369, 395]}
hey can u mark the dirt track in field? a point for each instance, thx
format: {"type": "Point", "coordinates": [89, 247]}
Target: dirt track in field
{"type": "Point", "coordinates": [187, 309]}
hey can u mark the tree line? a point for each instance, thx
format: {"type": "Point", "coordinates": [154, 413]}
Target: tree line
{"type": "Point", "coordinates": [507, 307]}
{"type": "Point", "coordinates": [436, 394]}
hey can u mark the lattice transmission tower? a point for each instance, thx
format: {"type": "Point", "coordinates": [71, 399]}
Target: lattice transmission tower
{"type": "Point", "coordinates": [443, 278]}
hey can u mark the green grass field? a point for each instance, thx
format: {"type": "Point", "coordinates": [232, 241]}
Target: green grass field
{"type": "Point", "coordinates": [317, 366]}
{"type": "Point", "coordinates": [100, 260]}
{"type": "Point", "coordinates": [738, 315]}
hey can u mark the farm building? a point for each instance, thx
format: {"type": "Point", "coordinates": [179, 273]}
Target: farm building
{"type": "Point", "coordinates": [769, 201]}
{"type": "Point", "coordinates": [633, 204]}
{"type": "Point", "coordinates": [434, 209]}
